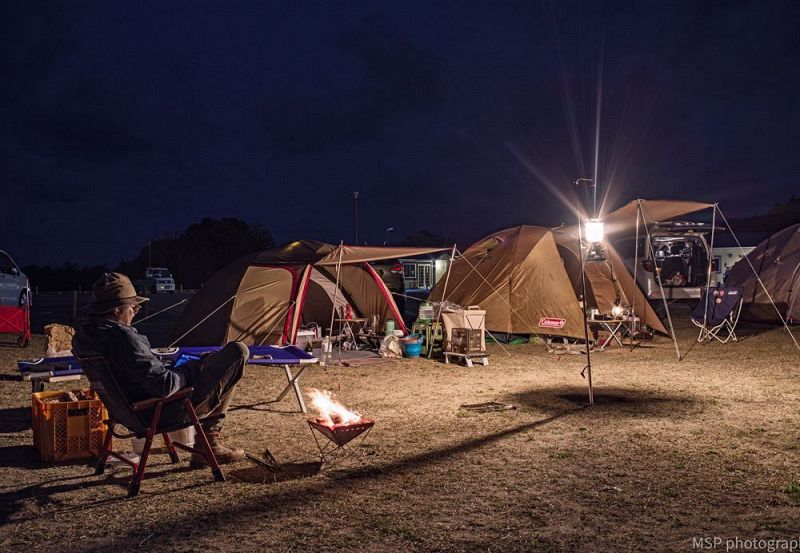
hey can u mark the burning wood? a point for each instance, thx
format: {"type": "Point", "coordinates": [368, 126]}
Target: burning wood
{"type": "Point", "coordinates": [335, 421]}
{"type": "Point", "coordinates": [331, 412]}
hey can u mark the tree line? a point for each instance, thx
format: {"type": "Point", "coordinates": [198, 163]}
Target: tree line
{"type": "Point", "coordinates": [193, 256]}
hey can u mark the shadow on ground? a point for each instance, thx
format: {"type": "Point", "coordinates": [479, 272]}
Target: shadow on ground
{"type": "Point", "coordinates": [288, 471]}
{"type": "Point", "coordinates": [617, 401]}
{"type": "Point", "coordinates": [15, 419]}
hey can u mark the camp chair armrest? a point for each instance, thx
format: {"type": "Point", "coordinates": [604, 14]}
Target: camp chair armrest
{"type": "Point", "coordinates": [145, 403]}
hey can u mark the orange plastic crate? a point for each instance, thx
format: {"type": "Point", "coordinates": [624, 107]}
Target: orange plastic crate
{"type": "Point", "coordinates": [68, 430]}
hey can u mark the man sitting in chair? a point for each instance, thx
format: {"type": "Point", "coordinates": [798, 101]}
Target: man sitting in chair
{"type": "Point", "coordinates": [141, 375]}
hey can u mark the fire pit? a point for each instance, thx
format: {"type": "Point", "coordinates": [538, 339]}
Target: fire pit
{"type": "Point", "coordinates": [338, 425]}
{"type": "Point", "coordinates": [341, 434]}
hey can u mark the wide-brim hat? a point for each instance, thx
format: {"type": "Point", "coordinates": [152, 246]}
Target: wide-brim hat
{"type": "Point", "coordinates": [111, 291]}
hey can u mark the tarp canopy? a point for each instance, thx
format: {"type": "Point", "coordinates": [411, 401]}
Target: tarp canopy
{"type": "Point", "coordinates": [624, 218]}
{"type": "Point", "coordinates": [361, 254]}
{"type": "Point", "coordinates": [265, 297]}
{"type": "Point", "coordinates": [518, 277]}
{"type": "Point", "coordinates": [776, 260]}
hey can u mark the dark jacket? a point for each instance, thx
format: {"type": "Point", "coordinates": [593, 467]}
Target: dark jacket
{"type": "Point", "coordinates": [139, 373]}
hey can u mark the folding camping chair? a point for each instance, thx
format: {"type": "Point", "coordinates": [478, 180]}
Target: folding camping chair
{"type": "Point", "coordinates": [142, 421]}
{"type": "Point", "coordinates": [720, 314]}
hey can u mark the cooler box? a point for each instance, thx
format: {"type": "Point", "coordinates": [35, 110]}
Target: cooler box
{"type": "Point", "coordinates": [472, 318]}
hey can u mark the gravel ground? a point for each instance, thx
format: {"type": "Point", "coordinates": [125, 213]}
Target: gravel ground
{"type": "Point", "coordinates": [702, 448]}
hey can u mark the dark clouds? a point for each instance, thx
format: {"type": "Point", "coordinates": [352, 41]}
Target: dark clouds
{"type": "Point", "coordinates": [127, 122]}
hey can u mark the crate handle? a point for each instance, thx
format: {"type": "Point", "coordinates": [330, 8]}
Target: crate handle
{"type": "Point", "coordinates": [78, 412]}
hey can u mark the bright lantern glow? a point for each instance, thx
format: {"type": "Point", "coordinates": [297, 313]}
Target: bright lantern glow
{"type": "Point", "coordinates": [617, 311]}
{"type": "Point", "coordinates": [593, 231]}
{"type": "Point", "coordinates": [331, 412]}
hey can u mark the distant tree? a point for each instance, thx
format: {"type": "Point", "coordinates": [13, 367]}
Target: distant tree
{"type": "Point", "coordinates": [193, 256]}
{"type": "Point", "coordinates": [63, 278]}
{"type": "Point", "coordinates": [780, 216]}
{"type": "Point", "coordinates": [201, 250]}
{"type": "Point", "coordinates": [425, 239]}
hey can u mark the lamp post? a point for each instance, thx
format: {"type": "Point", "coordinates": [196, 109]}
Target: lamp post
{"type": "Point", "coordinates": [388, 230]}
{"type": "Point", "coordinates": [355, 218]}
{"type": "Point", "coordinates": [593, 233]}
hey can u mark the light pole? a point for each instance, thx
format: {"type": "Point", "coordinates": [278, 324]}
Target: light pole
{"type": "Point", "coordinates": [355, 217]}
{"type": "Point", "coordinates": [594, 233]}
{"type": "Point", "coordinates": [388, 230]}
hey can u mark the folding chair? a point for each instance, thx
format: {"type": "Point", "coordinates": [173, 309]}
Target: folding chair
{"type": "Point", "coordinates": [720, 313]}
{"type": "Point", "coordinates": [141, 423]}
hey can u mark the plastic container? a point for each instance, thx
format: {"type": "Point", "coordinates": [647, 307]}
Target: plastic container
{"type": "Point", "coordinates": [412, 349]}
{"type": "Point", "coordinates": [388, 327]}
{"type": "Point", "coordinates": [183, 436]}
{"type": "Point", "coordinates": [68, 430]}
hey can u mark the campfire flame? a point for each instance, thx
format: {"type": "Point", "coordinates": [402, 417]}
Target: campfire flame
{"type": "Point", "coordinates": [331, 412]}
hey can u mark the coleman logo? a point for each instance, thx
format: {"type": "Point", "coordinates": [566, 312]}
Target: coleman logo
{"type": "Point", "coordinates": [552, 322]}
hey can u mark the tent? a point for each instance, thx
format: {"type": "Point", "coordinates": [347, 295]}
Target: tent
{"type": "Point", "coordinates": [265, 297]}
{"type": "Point", "coordinates": [518, 277]}
{"type": "Point", "coordinates": [776, 262]}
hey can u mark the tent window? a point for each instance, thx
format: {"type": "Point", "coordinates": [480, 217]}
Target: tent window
{"type": "Point", "coordinates": [409, 270]}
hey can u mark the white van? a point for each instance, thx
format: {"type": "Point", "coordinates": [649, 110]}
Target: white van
{"type": "Point", "coordinates": [679, 252]}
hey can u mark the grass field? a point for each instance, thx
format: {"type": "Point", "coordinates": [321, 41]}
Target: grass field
{"type": "Point", "coordinates": [672, 450]}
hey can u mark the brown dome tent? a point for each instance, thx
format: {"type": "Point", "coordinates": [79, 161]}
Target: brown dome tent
{"type": "Point", "coordinates": [776, 260]}
{"type": "Point", "coordinates": [518, 277]}
{"type": "Point", "coordinates": [537, 274]}
{"type": "Point", "coordinates": [265, 297]}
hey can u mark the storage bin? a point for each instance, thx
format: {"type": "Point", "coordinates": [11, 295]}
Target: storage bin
{"type": "Point", "coordinates": [467, 340]}
{"type": "Point", "coordinates": [70, 429]}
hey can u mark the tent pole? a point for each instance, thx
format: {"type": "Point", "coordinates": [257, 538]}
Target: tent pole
{"type": "Point", "coordinates": [635, 283]}
{"type": "Point", "coordinates": [658, 278]}
{"type": "Point", "coordinates": [758, 278]}
{"type": "Point", "coordinates": [336, 290]}
{"type": "Point", "coordinates": [708, 271]}
{"type": "Point", "coordinates": [444, 295]}
{"type": "Point", "coordinates": [588, 367]}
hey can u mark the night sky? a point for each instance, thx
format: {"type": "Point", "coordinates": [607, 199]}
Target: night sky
{"type": "Point", "coordinates": [122, 122]}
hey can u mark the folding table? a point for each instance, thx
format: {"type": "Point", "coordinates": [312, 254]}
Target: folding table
{"type": "Point", "coordinates": [616, 326]}
{"type": "Point", "coordinates": [51, 369]}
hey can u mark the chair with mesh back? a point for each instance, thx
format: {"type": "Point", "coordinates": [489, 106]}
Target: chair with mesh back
{"type": "Point", "coordinates": [717, 316]}
{"type": "Point", "coordinates": [141, 419]}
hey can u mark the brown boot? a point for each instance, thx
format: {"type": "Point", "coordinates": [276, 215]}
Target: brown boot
{"type": "Point", "coordinates": [222, 453]}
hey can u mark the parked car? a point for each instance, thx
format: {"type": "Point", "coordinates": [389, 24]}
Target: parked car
{"type": "Point", "coordinates": [157, 280]}
{"type": "Point", "coordinates": [679, 252]}
{"type": "Point", "coordinates": [14, 286]}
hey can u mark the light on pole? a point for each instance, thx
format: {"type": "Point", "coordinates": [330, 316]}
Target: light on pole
{"type": "Point", "coordinates": [592, 232]}
{"type": "Point", "coordinates": [388, 230]}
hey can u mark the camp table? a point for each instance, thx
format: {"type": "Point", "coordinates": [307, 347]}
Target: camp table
{"type": "Point", "coordinates": [54, 369]}
{"type": "Point", "coordinates": [616, 326]}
